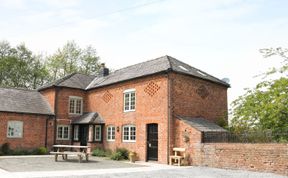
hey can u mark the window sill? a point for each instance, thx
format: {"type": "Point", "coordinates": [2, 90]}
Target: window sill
{"type": "Point", "coordinates": [125, 111]}
{"type": "Point", "coordinates": [74, 114]}
{"type": "Point", "coordinates": [14, 137]}
{"type": "Point", "coordinates": [129, 141]}
{"type": "Point", "coordinates": [62, 139]}
{"type": "Point", "coordinates": [110, 140]}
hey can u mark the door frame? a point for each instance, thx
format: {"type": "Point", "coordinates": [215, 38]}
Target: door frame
{"type": "Point", "coordinates": [147, 137]}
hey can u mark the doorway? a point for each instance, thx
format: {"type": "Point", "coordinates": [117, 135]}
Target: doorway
{"type": "Point", "coordinates": [152, 142]}
{"type": "Point", "coordinates": [83, 134]}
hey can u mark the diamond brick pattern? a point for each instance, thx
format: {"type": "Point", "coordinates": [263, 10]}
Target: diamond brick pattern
{"type": "Point", "coordinates": [202, 91]}
{"type": "Point", "coordinates": [151, 88]}
{"type": "Point", "coordinates": [107, 96]}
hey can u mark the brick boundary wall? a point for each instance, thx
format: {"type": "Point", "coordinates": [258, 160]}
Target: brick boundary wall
{"type": "Point", "coordinates": [254, 157]}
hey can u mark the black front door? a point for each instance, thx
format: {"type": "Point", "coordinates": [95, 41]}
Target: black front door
{"type": "Point", "coordinates": [152, 142]}
{"type": "Point", "coordinates": [83, 134]}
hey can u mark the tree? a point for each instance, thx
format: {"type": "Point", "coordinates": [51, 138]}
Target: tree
{"type": "Point", "coordinates": [71, 58]}
{"type": "Point", "coordinates": [265, 106]}
{"type": "Point", "coordinates": [20, 68]}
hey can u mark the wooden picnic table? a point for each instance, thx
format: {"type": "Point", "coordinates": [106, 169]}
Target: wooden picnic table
{"type": "Point", "coordinates": [65, 150]}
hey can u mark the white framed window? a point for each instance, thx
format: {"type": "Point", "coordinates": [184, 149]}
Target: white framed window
{"type": "Point", "coordinates": [76, 132]}
{"type": "Point", "coordinates": [129, 133]}
{"type": "Point", "coordinates": [97, 133]}
{"type": "Point", "coordinates": [75, 105]}
{"type": "Point", "coordinates": [15, 129]}
{"type": "Point", "coordinates": [129, 100]}
{"type": "Point", "coordinates": [63, 132]}
{"type": "Point", "coordinates": [110, 133]}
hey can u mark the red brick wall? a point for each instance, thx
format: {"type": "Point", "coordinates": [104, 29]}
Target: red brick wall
{"type": "Point", "coordinates": [34, 128]}
{"type": "Point", "coordinates": [49, 94]}
{"type": "Point", "coordinates": [255, 157]}
{"type": "Point", "coordinates": [187, 102]}
{"type": "Point", "coordinates": [63, 117]}
{"type": "Point", "coordinates": [149, 109]}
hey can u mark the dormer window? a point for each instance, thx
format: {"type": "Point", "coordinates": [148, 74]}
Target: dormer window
{"type": "Point", "coordinates": [129, 100]}
{"type": "Point", "coordinates": [75, 105]}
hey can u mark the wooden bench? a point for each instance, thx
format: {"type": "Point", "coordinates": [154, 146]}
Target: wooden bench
{"type": "Point", "coordinates": [179, 154]}
{"type": "Point", "coordinates": [65, 150]}
{"type": "Point", "coordinates": [65, 154]}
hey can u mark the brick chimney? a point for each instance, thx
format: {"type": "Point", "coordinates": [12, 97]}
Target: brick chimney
{"type": "Point", "coordinates": [103, 71]}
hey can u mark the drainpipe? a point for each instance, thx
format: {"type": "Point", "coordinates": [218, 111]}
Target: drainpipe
{"type": "Point", "coordinates": [56, 112]}
{"type": "Point", "coordinates": [46, 131]}
{"type": "Point", "coordinates": [169, 116]}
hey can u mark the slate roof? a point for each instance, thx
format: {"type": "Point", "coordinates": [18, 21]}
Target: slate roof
{"type": "Point", "coordinates": [74, 80]}
{"type": "Point", "coordinates": [89, 118]}
{"type": "Point", "coordinates": [23, 101]}
{"type": "Point", "coordinates": [201, 124]}
{"type": "Point", "coordinates": [161, 64]}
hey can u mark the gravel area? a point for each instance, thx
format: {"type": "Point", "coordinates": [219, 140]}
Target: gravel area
{"type": "Point", "coordinates": [46, 167]}
{"type": "Point", "coordinates": [25, 164]}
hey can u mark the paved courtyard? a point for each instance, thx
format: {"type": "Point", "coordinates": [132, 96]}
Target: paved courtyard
{"type": "Point", "coordinates": [45, 166]}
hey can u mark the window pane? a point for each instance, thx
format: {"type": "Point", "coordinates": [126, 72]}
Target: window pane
{"type": "Point", "coordinates": [113, 133]}
{"type": "Point", "coordinates": [78, 106]}
{"type": "Point", "coordinates": [98, 133]}
{"type": "Point", "coordinates": [132, 133]}
{"type": "Point", "coordinates": [76, 132]}
{"type": "Point", "coordinates": [72, 106]}
{"type": "Point", "coordinates": [126, 101]}
{"type": "Point", "coordinates": [59, 133]}
{"type": "Point", "coordinates": [66, 132]}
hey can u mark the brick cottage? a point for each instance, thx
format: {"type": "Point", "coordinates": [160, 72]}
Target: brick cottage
{"type": "Point", "coordinates": [148, 108]}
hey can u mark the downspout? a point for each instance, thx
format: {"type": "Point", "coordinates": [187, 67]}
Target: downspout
{"type": "Point", "coordinates": [56, 112]}
{"type": "Point", "coordinates": [169, 116]}
{"type": "Point", "coordinates": [46, 131]}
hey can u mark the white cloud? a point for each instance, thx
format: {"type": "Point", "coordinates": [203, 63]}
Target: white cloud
{"type": "Point", "coordinates": [13, 4]}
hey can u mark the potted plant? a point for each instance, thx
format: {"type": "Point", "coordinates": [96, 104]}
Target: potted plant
{"type": "Point", "coordinates": [132, 156]}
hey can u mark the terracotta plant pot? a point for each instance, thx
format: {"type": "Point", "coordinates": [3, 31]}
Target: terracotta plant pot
{"type": "Point", "coordinates": [132, 157]}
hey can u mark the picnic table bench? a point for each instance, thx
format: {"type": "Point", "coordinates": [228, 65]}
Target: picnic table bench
{"type": "Point", "coordinates": [61, 150]}
{"type": "Point", "coordinates": [177, 157]}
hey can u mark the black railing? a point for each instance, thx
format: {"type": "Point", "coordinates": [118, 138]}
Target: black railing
{"type": "Point", "coordinates": [248, 137]}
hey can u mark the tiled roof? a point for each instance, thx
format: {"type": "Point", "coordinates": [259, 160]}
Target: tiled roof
{"type": "Point", "coordinates": [23, 101]}
{"type": "Point", "coordinates": [162, 64]}
{"type": "Point", "coordinates": [202, 124]}
{"type": "Point", "coordinates": [74, 80]}
{"type": "Point", "coordinates": [89, 118]}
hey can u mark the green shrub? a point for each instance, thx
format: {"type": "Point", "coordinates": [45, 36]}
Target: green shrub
{"type": "Point", "coordinates": [124, 152]}
{"type": "Point", "coordinates": [116, 156]}
{"type": "Point", "coordinates": [99, 152]}
{"type": "Point", "coordinates": [120, 154]}
{"type": "Point", "coordinates": [40, 151]}
{"type": "Point", "coordinates": [5, 149]}
{"type": "Point", "coordinates": [20, 152]}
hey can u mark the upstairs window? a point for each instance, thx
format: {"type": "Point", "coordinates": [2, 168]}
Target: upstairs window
{"type": "Point", "coordinates": [15, 129]}
{"type": "Point", "coordinates": [129, 100]}
{"type": "Point", "coordinates": [129, 133]}
{"type": "Point", "coordinates": [75, 105]}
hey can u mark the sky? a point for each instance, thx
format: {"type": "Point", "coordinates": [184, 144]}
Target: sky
{"type": "Point", "coordinates": [220, 37]}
